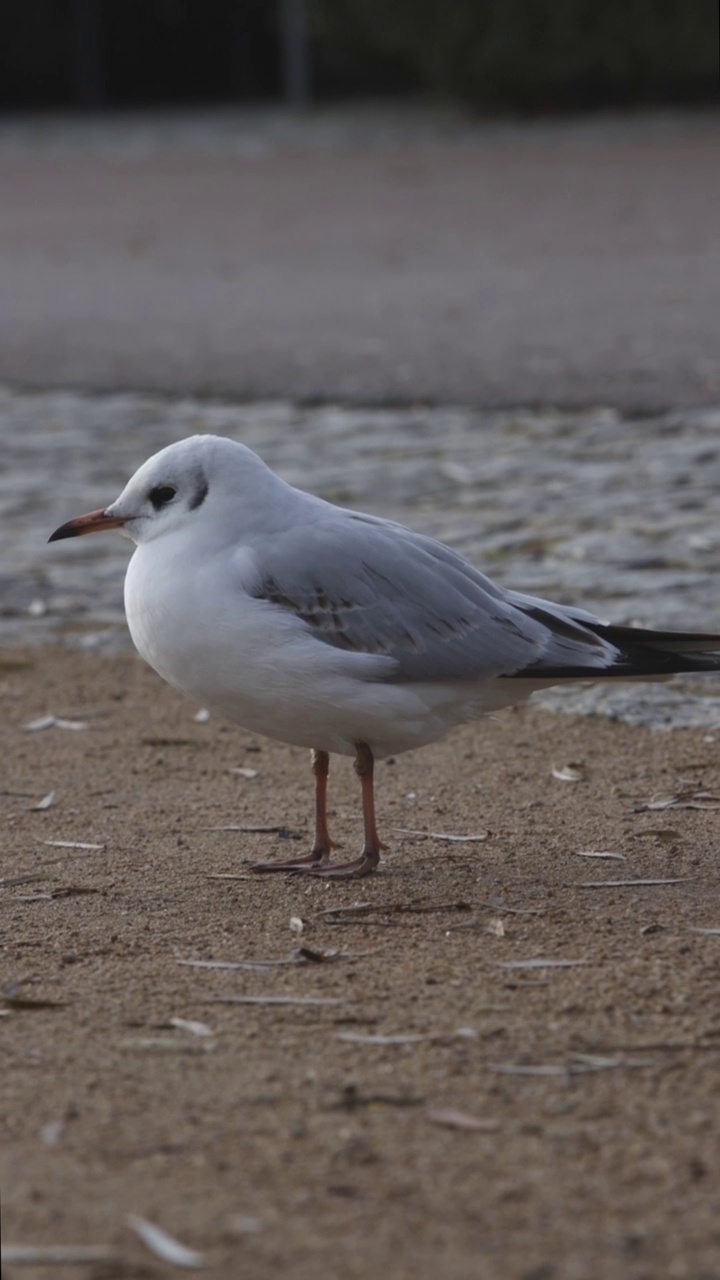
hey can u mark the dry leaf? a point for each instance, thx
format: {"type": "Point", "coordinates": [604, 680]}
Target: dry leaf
{"type": "Point", "coordinates": [688, 798]}
{"type": "Point", "coordinates": [521, 1069]}
{"type": "Point", "coordinates": [195, 1028]}
{"type": "Point", "coordinates": [575, 771]}
{"type": "Point", "coordinates": [666, 835]}
{"type": "Point", "coordinates": [596, 1062]}
{"type": "Point", "coordinates": [357, 908]}
{"type": "Point", "coordinates": [57, 1254]}
{"type": "Point", "coordinates": [626, 884]}
{"type": "Point", "coordinates": [245, 773]}
{"type": "Point", "coordinates": [444, 835]}
{"type": "Point", "coordinates": [219, 876]}
{"type": "Point", "coordinates": [50, 722]}
{"type": "Point", "coordinates": [10, 881]}
{"type": "Point", "coordinates": [300, 955]}
{"type": "Point", "coordinates": [11, 996]}
{"type": "Point", "coordinates": [156, 741]}
{"type": "Point", "coordinates": [303, 955]}
{"type": "Point", "coordinates": [600, 853]}
{"type": "Point", "coordinates": [252, 829]}
{"type": "Point", "coordinates": [73, 890]}
{"type": "Point", "coordinates": [356, 1037]}
{"type": "Point", "coordinates": [42, 722]}
{"type": "Point", "coordinates": [163, 1245]}
{"type": "Point", "coordinates": [661, 802]}
{"type": "Point", "coordinates": [229, 964]}
{"type": "Point", "coordinates": [45, 803]}
{"type": "Point", "coordinates": [461, 1120]}
{"type": "Point", "coordinates": [71, 844]}
{"type": "Point", "coordinates": [274, 1000]}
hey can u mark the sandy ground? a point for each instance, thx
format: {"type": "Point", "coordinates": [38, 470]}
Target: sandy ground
{"type": "Point", "coordinates": [570, 262]}
{"type": "Point", "coordinates": [322, 1139]}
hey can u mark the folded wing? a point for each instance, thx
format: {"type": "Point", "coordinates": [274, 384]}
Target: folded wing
{"type": "Point", "coordinates": [369, 586]}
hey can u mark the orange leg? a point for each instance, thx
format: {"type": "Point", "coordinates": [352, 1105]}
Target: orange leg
{"type": "Point", "coordinates": [370, 856]}
{"type": "Point", "coordinates": [322, 844]}
{"type": "Point", "coordinates": [317, 863]}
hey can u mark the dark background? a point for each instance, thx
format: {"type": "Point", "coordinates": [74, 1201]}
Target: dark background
{"type": "Point", "coordinates": [492, 55]}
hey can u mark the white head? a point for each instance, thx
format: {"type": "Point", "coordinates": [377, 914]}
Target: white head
{"type": "Point", "coordinates": [172, 488]}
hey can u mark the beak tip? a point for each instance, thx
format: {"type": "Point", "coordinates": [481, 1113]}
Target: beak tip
{"type": "Point", "coordinates": [60, 533]}
{"type": "Point", "coordinates": [93, 522]}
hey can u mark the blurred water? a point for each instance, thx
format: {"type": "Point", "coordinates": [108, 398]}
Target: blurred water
{"type": "Point", "coordinates": [620, 515]}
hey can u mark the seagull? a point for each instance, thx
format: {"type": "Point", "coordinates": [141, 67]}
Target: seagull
{"type": "Point", "coordinates": [342, 632]}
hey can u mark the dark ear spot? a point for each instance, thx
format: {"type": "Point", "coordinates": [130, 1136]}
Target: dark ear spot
{"type": "Point", "coordinates": [200, 494]}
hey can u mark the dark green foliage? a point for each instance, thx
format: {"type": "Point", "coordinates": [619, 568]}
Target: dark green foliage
{"type": "Point", "coordinates": [531, 54]}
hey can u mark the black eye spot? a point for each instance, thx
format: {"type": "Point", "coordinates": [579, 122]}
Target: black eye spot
{"type": "Point", "coordinates": [161, 495]}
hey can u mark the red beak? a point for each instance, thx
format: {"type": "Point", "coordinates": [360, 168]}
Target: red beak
{"type": "Point", "coordinates": [93, 522]}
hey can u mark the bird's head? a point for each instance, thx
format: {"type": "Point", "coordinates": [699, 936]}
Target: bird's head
{"type": "Point", "coordinates": [172, 488]}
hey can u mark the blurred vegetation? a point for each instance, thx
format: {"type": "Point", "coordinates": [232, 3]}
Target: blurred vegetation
{"type": "Point", "coordinates": [525, 54]}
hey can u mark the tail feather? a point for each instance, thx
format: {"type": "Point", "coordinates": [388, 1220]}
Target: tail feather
{"type": "Point", "coordinates": [638, 652]}
{"type": "Point", "coordinates": [644, 652]}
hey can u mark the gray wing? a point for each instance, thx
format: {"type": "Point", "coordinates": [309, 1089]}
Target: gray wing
{"type": "Point", "coordinates": [373, 587]}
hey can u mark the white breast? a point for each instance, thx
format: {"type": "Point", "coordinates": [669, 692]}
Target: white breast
{"type": "Point", "coordinates": [251, 662]}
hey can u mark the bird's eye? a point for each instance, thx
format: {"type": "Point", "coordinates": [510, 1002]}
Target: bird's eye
{"type": "Point", "coordinates": [161, 495]}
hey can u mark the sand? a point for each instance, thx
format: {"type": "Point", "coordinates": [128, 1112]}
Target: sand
{"type": "Point", "coordinates": [423, 1106]}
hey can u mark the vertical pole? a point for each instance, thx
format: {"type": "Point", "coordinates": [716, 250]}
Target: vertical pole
{"type": "Point", "coordinates": [87, 60]}
{"type": "Point", "coordinates": [295, 51]}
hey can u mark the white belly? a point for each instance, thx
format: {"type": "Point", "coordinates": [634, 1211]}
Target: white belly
{"type": "Point", "coordinates": [257, 665]}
